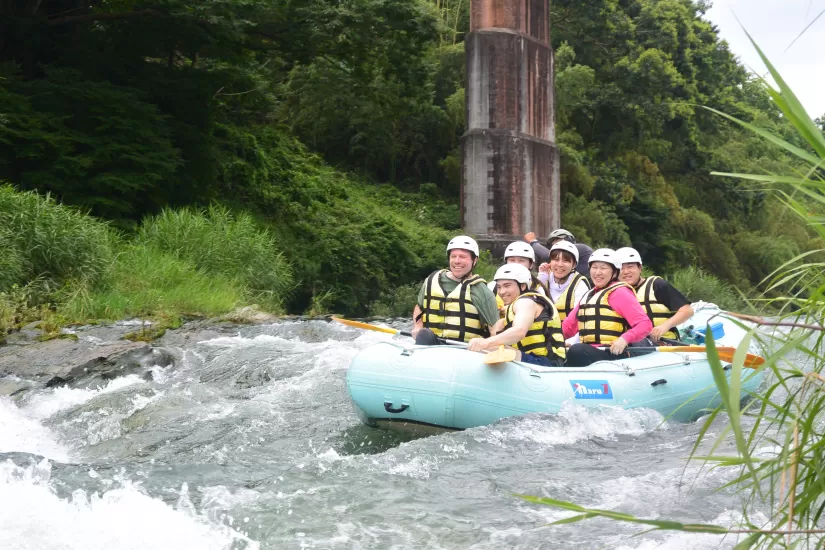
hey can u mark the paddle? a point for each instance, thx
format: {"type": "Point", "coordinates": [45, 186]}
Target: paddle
{"type": "Point", "coordinates": [367, 326]}
{"type": "Point", "coordinates": [501, 355]}
{"type": "Point", "coordinates": [725, 353]}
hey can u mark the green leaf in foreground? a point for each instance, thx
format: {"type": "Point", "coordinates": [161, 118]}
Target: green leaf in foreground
{"type": "Point", "coordinates": [593, 512]}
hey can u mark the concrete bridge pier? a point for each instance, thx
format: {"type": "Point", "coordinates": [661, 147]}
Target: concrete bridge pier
{"type": "Point", "coordinates": [510, 162]}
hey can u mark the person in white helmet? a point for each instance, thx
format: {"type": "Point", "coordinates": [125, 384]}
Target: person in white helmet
{"type": "Point", "coordinates": [665, 306]}
{"type": "Point", "coordinates": [453, 303]}
{"type": "Point", "coordinates": [519, 252]}
{"type": "Point", "coordinates": [557, 235]}
{"type": "Point", "coordinates": [566, 285]}
{"type": "Point", "coordinates": [531, 322]}
{"type": "Point", "coordinates": [609, 315]}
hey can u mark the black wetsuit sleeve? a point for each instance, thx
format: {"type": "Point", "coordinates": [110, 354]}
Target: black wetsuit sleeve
{"type": "Point", "coordinates": [668, 295]}
{"type": "Point", "coordinates": [542, 253]}
{"type": "Point", "coordinates": [583, 266]}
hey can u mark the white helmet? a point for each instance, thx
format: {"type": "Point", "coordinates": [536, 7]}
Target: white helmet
{"type": "Point", "coordinates": [629, 255]}
{"type": "Point", "coordinates": [463, 242]}
{"type": "Point", "coordinates": [520, 249]}
{"type": "Point", "coordinates": [561, 234]}
{"type": "Point", "coordinates": [567, 246]}
{"type": "Point", "coordinates": [514, 272]}
{"type": "Point", "coordinates": [607, 256]}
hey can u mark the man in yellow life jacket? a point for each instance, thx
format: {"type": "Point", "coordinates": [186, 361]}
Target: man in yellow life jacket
{"type": "Point", "coordinates": [454, 304]}
{"type": "Point", "coordinates": [665, 306]}
{"type": "Point", "coordinates": [531, 322]}
{"type": "Point", "coordinates": [518, 252]}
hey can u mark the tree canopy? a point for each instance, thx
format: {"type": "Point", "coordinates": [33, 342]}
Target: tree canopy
{"type": "Point", "coordinates": [124, 107]}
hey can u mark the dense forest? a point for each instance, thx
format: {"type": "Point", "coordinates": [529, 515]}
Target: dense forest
{"type": "Point", "coordinates": [333, 127]}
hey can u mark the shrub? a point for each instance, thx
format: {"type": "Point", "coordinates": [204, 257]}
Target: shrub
{"type": "Point", "coordinates": [147, 281]}
{"type": "Point", "coordinates": [593, 222]}
{"type": "Point", "coordinates": [53, 241]}
{"type": "Point", "coordinates": [397, 302]}
{"type": "Point", "coordinates": [698, 285]}
{"type": "Point", "coordinates": [11, 261]}
{"type": "Point", "coordinates": [222, 243]}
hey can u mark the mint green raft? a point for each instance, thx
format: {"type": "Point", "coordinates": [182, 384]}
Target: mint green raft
{"type": "Point", "coordinates": [449, 387]}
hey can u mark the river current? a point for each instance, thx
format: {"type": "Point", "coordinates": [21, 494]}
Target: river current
{"type": "Point", "coordinates": [249, 442]}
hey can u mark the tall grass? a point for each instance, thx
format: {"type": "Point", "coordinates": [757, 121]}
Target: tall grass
{"type": "Point", "coordinates": [11, 260]}
{"type": "Point", "coordinates": [50, 241]}
{"type": "Point", "coordinates": [788, 414]}
{"type": "Point", "coordinates": [145, 281]}
{"type": "Point", "coordinates": [699, 285]}
{"type": "Point", "coordinates": [222, 243]}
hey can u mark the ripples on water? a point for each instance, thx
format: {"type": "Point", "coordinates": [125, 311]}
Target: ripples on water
{"type": "Point", "coordinates": [250, 442]}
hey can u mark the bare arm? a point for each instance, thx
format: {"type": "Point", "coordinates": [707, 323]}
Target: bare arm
{"type": "Point", "coordinates": [525, 315]}
{"type": "Point", "coordinates": [418, 320]}
{"type": "Point", "coordinates": [683, 314]}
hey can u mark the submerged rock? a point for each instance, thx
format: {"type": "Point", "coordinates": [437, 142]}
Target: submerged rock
{"type": "Point", "coordinates": [61, 362]}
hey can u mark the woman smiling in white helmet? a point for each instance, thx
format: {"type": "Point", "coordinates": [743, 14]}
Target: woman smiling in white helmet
{"type": "Point", "coordinates": [566, 285]}
{"type": "Point", "coordinates": [609, 315]}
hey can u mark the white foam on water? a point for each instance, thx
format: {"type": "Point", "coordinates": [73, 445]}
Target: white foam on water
{"type": "Point", "coordinates": [23, 434]}
{"type": "Point", "coordinates": [33, 517]}
{"type": "Point", "coordinates": [241, 341]}
{"type": "Point", "coordinates": [45, 405]}
{"type": "Point", "coordinates": [573, 423]}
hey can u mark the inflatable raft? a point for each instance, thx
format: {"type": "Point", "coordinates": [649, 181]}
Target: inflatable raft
{"type": "Point", "coordinates": [449, 387]}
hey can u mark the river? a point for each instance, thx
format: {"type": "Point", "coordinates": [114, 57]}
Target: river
{"type": "Point", "coordinates": [249, 441]}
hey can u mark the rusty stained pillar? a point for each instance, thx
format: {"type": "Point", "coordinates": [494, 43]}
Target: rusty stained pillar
{"type": "Point", "coordinates": [510, 162]}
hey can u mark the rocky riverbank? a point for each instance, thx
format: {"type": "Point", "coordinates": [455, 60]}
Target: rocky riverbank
{"type": "Point", "coordinates": [91, 355]}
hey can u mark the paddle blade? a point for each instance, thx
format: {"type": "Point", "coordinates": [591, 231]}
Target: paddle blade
{"type": "Point", "coordinates": [501, 355]}
{"type": "Point", "coordinates": [367, 326]}
{"type": "Point", "coordinates": [751, 361]}
{"type": "Point", "coordinates": [725, 354]}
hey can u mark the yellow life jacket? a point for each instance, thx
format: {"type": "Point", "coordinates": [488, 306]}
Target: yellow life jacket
{"type": "Point", "coordinates": [452, 316]}
{"type": "Point", "coordinates": [598, 322]}
{"type": "Point", "coordinates": [656, 311]}
{"type": "Point", "coordinates": [536, 286]}
{"type": "Point", "coordinates": [564, 303]}
{"type": "Point", "coordinates": [544, 335]}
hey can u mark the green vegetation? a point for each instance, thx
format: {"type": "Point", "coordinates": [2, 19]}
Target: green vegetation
{"type": "Point", "coordinates": [698, 285]}
{"type": "Point", "coordinates": [786, 414]}
{"type": "Point", "coordinates": [220, 243]}
{"type": "Point", "coordinates": [50, 242]}
{"type": "Point", "coordinates": [322, 138]}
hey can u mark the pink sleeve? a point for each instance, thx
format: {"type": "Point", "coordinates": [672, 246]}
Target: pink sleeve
{"type": "Point", "coordinates": [570, 325]}
{"type": "Point", "coordinates": [624, 302]}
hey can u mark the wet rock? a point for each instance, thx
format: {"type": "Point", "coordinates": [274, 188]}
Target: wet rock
{"type": "Point", "coordinates": [59, 362]}
{"type": "Point", "coordinates": [28, 334]}
{"type": "Point", "coordinates": [11, 386]}
{"type": "Point", "coordinates": [115, 362]}
{"type": "Point", "coordinates": [192, 333]}
{"type": "Point", "coordinates": [249, 315]}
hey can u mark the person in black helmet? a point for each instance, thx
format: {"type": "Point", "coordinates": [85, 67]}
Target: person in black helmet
{"type": "Point", "coordinates": [543, 252]}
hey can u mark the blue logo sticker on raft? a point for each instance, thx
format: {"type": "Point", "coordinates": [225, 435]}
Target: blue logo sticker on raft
{"type": "Point", "coordinates": [591, 389]}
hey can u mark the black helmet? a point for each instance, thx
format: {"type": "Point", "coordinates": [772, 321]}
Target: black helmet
{"type": "Point", "coordinates": [561, 234]}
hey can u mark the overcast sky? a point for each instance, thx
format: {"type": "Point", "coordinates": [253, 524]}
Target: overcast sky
{"type": "Point", "coordinates": [774, 24]}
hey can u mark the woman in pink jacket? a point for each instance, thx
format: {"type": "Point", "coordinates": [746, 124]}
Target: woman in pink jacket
{"type": "Point", "coordinates": [608, 318]}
